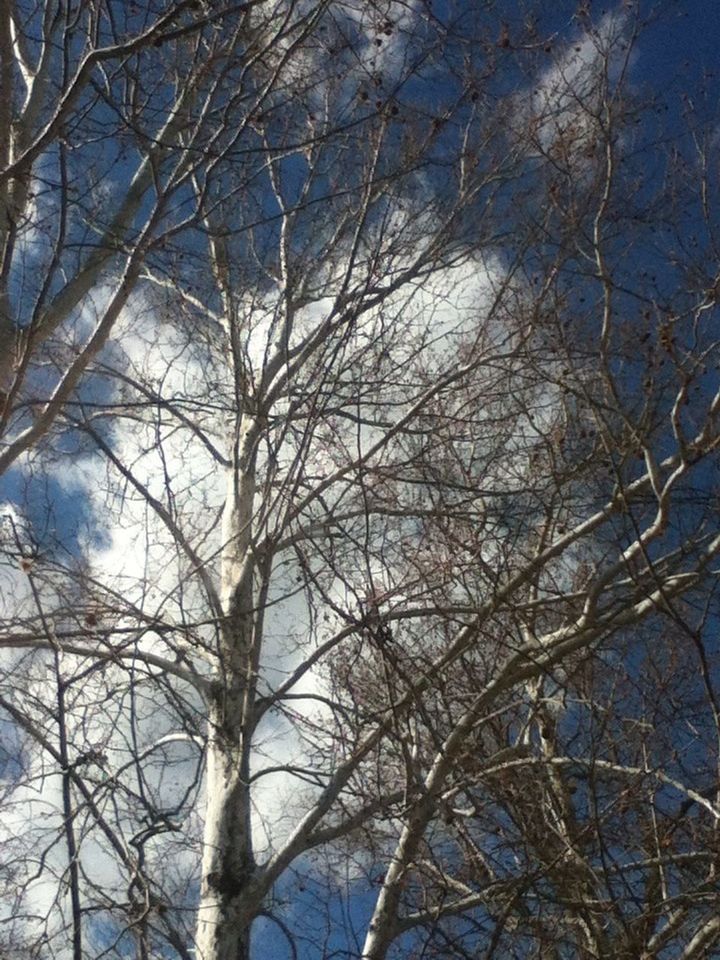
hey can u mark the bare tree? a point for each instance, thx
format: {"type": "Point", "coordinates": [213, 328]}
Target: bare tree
{"type": "Point", "coordinates": [360, 428]}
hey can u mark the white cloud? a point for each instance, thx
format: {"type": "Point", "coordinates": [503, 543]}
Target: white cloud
{"type": "Point", "coordinates": [563, 109]}
{"type": "Point", "coordinates": [386, 29]}
{"type": "Point", "coordinates": [121, 709]}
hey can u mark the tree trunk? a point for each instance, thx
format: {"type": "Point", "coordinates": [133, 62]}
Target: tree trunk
{"type": "Point", "coordinates": [223, 932]}
{"type": "Point", "coordinates": [223, 928]}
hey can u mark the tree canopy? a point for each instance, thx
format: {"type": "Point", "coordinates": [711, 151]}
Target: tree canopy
{"type": "Point", "coordinates": [359, 429]}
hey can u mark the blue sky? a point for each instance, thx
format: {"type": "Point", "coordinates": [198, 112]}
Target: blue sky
{"type": "Point", "coordinates": [671, 58]}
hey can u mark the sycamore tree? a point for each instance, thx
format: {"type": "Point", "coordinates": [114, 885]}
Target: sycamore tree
{"type": "Point", "coordinates": [359, 529]}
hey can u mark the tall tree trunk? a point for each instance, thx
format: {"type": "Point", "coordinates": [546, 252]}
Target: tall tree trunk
{"type": "Point", "coordinates": [223, 929]}
{"type": "Point", "coordinates": [227, 868]}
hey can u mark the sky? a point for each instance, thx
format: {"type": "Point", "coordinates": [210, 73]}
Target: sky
{"type": "Point", "coordinates": [669, 54]}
